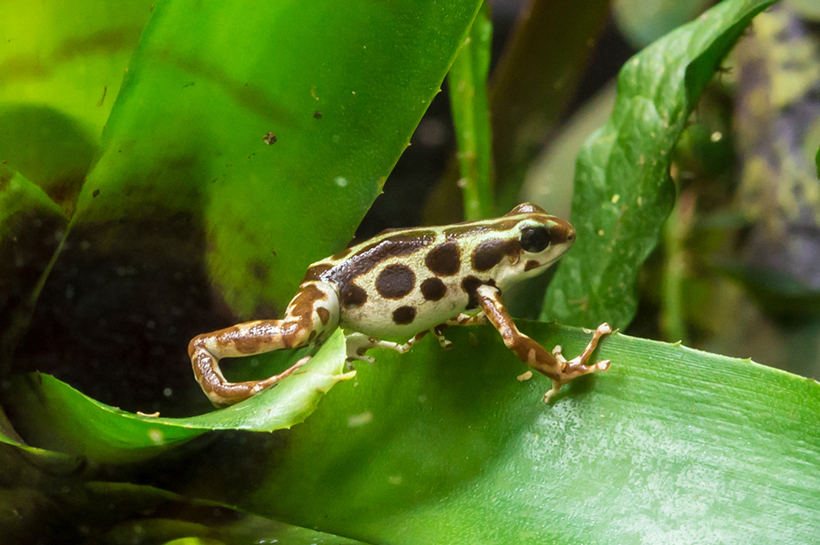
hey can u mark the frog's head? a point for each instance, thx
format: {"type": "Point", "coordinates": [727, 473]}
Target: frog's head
{"type": "Point", "coordinates": [539, 239]}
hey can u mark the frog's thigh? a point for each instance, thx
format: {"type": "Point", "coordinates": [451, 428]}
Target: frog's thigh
{"type": "Point", "coordinates": [313, 312]}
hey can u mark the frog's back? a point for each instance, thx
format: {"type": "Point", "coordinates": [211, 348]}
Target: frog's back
{"type": "Point", "coordinates": [404, 281]}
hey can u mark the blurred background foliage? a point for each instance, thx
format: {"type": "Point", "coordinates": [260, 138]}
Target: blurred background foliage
{"type": "Point", "coordinates": [736, 272]}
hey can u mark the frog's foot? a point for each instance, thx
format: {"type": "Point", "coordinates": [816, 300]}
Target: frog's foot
{"type": "Point", "coordinates": [358, 343]}
{"type": "Point", "coordinates": [268, 382]}
{"type": "Point", "coordinates": [223, 393]}
{"type": "Point", "coordinates": [438, 333]}
{"type": "Point", "coordinates": [570, 369]}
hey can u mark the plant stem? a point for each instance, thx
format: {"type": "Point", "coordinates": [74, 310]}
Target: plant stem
{"type": "Point", "coordinates": [468, 99]}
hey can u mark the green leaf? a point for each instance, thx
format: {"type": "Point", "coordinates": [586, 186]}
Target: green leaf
{"type": "Point", "coordinates": [623, 192]}
{"type": "Point", "coordinates": [186, 142]}
{"type": "Point", "coordinates": [172, 516]}
{"type": "Point", "coordinates": [61, 65]}
{"type": "Point", "coordinates": [471, 116]}
{"type": "Point", "coordinates": [448, 447]}
{"type": "Point", "coordinates": [31, 229]}
{"type": "Point", "coordinates": [51, 414]}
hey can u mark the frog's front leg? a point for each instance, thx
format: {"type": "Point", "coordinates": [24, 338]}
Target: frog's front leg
{"type": "Point", "coordinates": [553, 365]}
{"type": "Point", "coordinates": [310, 316]}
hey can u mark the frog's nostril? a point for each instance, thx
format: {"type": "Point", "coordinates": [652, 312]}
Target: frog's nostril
{"type": "Point", "coordinates": [571, 236]}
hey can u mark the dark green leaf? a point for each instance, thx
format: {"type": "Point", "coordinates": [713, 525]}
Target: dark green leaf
{"type": "Point", "coordinates": [31, 229]}
{"type": "Point", "coordinates": [623, 193]}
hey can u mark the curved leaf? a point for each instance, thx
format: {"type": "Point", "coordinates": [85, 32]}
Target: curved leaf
{"type": "Point", "coordinates": [448, 447]}
{"type": "Point", "coordinates": [53, 415]}
{"type": "Point", "coordinates": [194, 218]}
{"type": "Point", "coordinates": [623, 193]}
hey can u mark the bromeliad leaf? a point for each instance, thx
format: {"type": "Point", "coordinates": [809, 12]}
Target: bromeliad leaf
{"type": "Point", "coordinates": [62, 419]}
{"type": "Point", "coordinates": [623, 192]}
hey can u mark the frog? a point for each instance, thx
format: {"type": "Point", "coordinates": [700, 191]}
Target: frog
{"type": "Point", "coordinates": [405, 284]}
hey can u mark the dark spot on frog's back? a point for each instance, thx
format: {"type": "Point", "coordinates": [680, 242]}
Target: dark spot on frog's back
{"type": "Point", "coordinates": [404, 315]}
{"type": "Point", "coordinates": [489, 253]}
{"type": "Point", "coordinates": [478, 228]}
{"type": "Point", "coordinates": [444, 260]}
{"type": "Point", "coordinates": [341, 255]}
{"type": "Point", "coordinates": [324, 315]}
{"type": "Point", "coordinates": [433, 289]}
{"type": "Point", "coordinates": [353, 296]}
{"type": "Point", "coordinates": [395, 281]}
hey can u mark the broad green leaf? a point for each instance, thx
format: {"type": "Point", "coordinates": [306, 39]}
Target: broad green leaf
{"type": "Point", "coordinates": [448, 447]}
{"type": "Point", "coordinates": [193, 218]}
{"type": "Point", "coordinates": [623, 192]}
{"type": "Point", "coordinates": [31, 229]}
{"type": "Point", "coordinates": [468, 98]}
{"type": "Point", "coordinates": [61, 65]}
{"type": "Point", "coordinates": [51, 414]}
{"type": "Point", "coordinates": [341, 95]}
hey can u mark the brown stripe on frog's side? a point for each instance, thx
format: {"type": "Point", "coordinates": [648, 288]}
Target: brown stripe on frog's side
{"type": "Point", "coordinates": [341, 255]}
{"type": "Point", "coordinates": [531, 264]}
{"type": "Point", "coordinates": [433, 289]}
{"type": "Point", "coordinates": [315, 272]}
{"type": "Point", "coordinates": [444, 259]}
{"type": "Point", "coordinates": [489, 253]}
{"type": "Point", "coordinates": [364, 260]}
{"type": "Point", "coordinates": [395, 281]}
{"type": "Point", "coordinates": [404, 315]}
{"type": "Point", "coordinates": [473, 228]}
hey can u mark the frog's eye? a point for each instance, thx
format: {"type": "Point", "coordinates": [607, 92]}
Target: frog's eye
{"type": "Point", "coordinates": [534, 239]}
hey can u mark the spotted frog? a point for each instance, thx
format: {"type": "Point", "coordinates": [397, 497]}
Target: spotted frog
{"type": "Point", "coordinates": [406, 283]}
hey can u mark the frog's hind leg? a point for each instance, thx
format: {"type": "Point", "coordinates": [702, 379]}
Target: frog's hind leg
{"type": "Point", "coordinates": [311, 315]}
